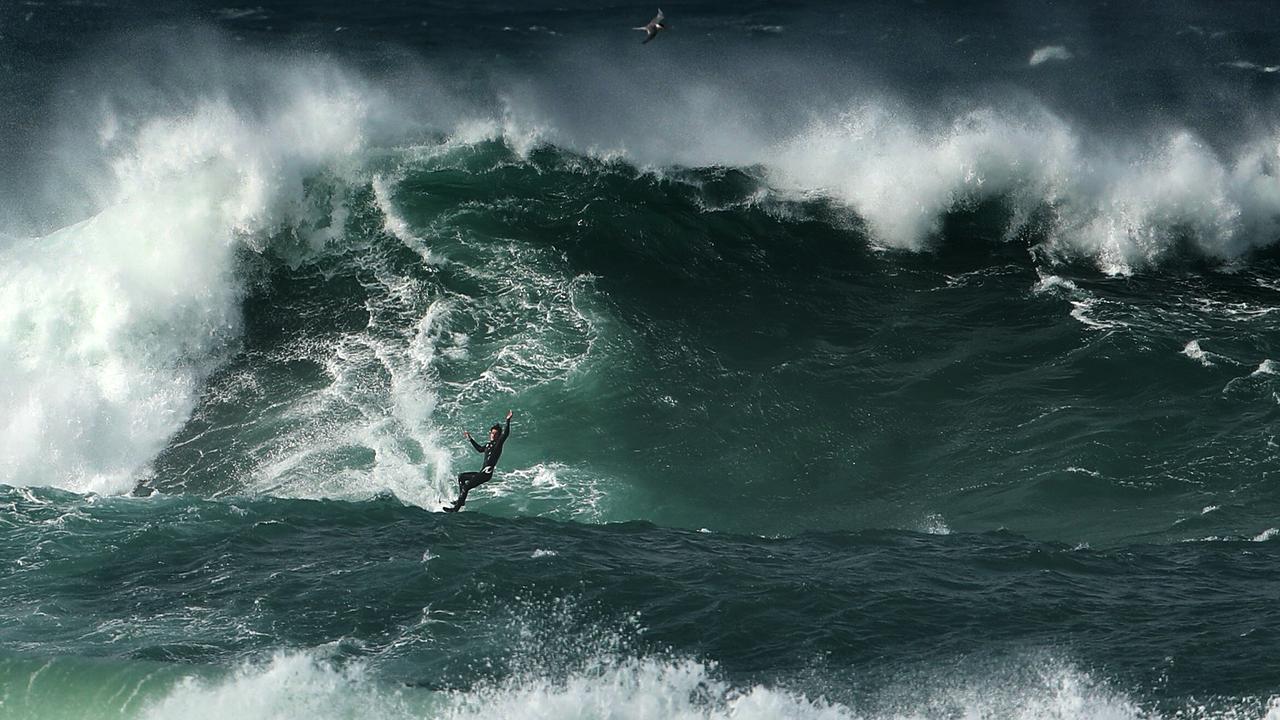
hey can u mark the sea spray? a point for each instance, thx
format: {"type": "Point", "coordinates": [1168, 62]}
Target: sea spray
{"type": "Point", "coordinates": [110, 326]}
{"type": "Point", "coordinates": [304, 685]}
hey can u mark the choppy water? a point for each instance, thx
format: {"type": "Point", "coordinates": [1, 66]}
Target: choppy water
{"type": "Point", "coordinates": [867, 361]}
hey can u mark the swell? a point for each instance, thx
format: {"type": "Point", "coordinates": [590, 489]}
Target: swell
{"type": "Point", "coordinates": [447, 600]}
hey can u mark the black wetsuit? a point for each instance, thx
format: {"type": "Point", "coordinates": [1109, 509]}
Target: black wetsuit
{"type": "Point", "coordinates": [492, 451]}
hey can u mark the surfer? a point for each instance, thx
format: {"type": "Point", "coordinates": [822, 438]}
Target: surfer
{"type": "Point", "coordinates": [492, 450]}
{"type": "Point", "coordinates": [651, 28]}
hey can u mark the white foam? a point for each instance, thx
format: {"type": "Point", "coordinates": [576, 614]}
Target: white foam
{"type": "Point", "coordinates": [1126, 202]}
{"type": "Point", "coordinates": [1123, 206]}
{"type": "Point", "coordinates": [1050, 283]}
{"type": "Point", "coordinates": [675, 689]}
{"type": "Point", "coordinates": [1266, 535]}
{"type": "Point", "coordinates": [290, 686]}
{"type": "Point", "coordinates": [935, 524]}
{"type": "Point", "coordinates": [381, 396]}
{"type": "Point", "coordinates": [1192, 350]}
{"type": "Point", "coordinates": [1266, 367]}
{"type": "Point", "coordinates": [1083, 311]}
{"type": "Point", "coordinates": [1047, 53]}
{"type": "Point", "coordinates": [902, 175]}
{"type": "Point", "coordinates": [1128, 210]}
{"type": "Point", "coordinates": [394, 224]}
{"type": "Point", "coordinates": [299, 686]}
{"type": "Point", "coordinates": [551, 489]}
{"type": "Point", "coordinates": [518, 131]}
{"type": "Point", "coordinates": [1246, 65]}
{"type": "Point", "coordinates": [108, 327]}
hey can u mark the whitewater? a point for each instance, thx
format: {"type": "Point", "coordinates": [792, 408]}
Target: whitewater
{"type": "Point", "coordinates": [867, 361]}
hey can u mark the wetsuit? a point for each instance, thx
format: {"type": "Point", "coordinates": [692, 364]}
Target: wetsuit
{"type": "Point", "coordinates": [492, 451]}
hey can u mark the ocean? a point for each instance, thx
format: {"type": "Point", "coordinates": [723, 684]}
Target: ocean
{"type": "Point", "coordinates": [876, 360]}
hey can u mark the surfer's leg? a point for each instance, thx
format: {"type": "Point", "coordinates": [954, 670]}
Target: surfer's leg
{"type": "Point", "coordinates": [476, 479]}
{"type": "Point", "coordinates": [467, 481]}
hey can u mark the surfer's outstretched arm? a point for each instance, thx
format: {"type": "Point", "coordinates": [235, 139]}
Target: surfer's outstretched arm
{"type": "Point", "coordinates": [507, 430]}
{"type": "Point", "coordinates": [479, 448]}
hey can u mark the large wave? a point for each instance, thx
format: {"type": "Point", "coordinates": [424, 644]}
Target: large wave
{"type": "Point", "coordinates": [111, 325]}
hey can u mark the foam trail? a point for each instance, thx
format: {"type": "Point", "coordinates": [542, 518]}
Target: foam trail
{"type": "Point", "coordinates": [379, 397]}
{"type": "Point", "coordinates": [396, 225]}
{"type": "Point", "coordinates": [296, 685]}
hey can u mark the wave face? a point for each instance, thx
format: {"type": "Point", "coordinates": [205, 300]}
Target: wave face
{"type": "Point", "coordinates": [883, 361]}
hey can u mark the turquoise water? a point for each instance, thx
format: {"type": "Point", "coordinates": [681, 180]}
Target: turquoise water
{"type": "Point", "coordinates": [286, 608]}
{"type": "Point", "coordinates": [883, 362]}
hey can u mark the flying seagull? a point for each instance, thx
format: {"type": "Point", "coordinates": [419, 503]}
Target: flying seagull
{"type": "Point", "coordinates": [656, 24]}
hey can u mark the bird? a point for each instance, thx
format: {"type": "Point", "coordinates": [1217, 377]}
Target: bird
{"type": "Point", "coordinates": [656, 24]}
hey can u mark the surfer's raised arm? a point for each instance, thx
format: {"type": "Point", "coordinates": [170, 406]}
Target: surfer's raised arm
{"type": "Point", "coordinates": [507, 430]}
{"type": "Point", "coordinates": [474, 444]}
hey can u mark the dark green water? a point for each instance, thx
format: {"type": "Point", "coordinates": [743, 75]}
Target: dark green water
{"type": "Point", "coordinates": [419, 607]}
{"type": "Point", "coordinates": [874, 364]}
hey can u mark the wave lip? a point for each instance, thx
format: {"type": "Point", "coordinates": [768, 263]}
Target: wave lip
{"type": "Point", "coordinates": [109, 327]}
